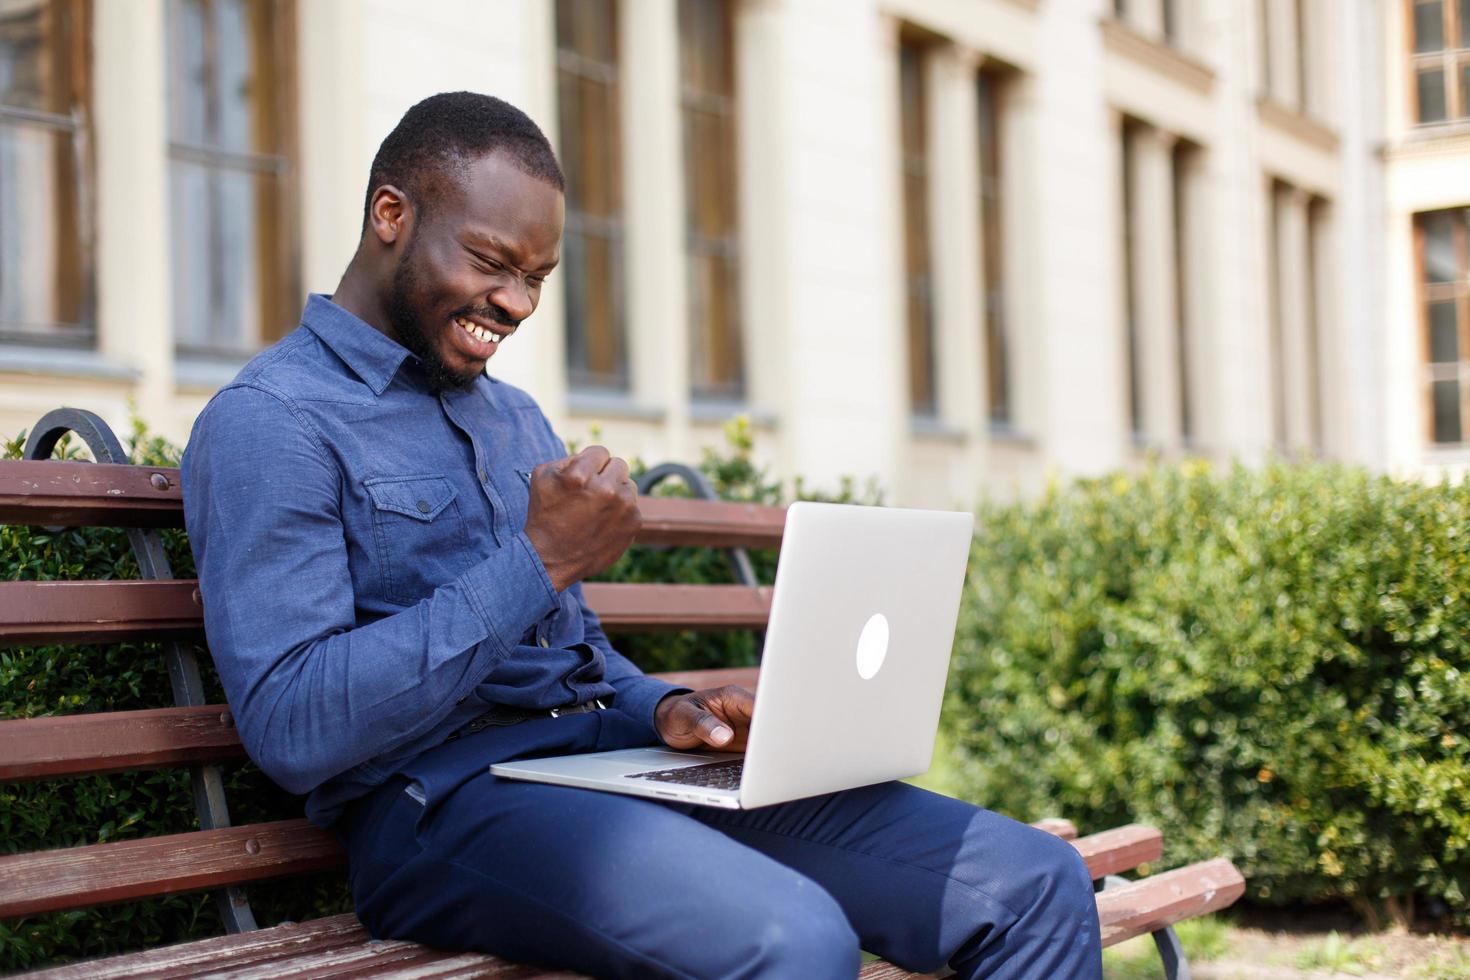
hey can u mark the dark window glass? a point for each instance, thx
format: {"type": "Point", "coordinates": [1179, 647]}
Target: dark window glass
{"type": "Point", "coordinates": [918, 276]}
{"type": "Point", "coordinates": [229, 66]}
{"type": "Point", "coordinates": [1464, 17]}
{"type": "Point", "coordinates": [45, 235]}
{"type": "Point", "coordinates": [707, 74]}
{"type": "Point", "coordinates": [591, 156]}
{"type": "Point", "coordinates": [993, 248]}
{"type": "Point", "coordinates": [1130, 268]}
{"type": "Point", "coordinates": [1446, 411]}
{"type": "Point", "coordinates": [1441, 259]}
{"type": "Point", "coordinates": [1431, 95]}
{"type": "Point", "coordinates": [1444, 346]}
{"type": "Point", "coordinates": [1444, 249]}
{"type": "Point", "coordinates": [1181, 161]}
{"type": "Point", "coordinates": [1428, 26]}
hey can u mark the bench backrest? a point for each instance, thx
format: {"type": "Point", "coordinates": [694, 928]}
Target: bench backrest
{"type": "Point", "coordinates": [198, 735]}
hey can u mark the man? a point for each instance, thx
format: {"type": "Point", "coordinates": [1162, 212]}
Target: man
{"type": "Point", "coordinates": [389, 546]}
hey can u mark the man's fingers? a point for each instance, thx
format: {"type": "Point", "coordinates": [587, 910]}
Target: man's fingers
{"type": "Point", "coordinates": [711, 729]}
{"type": "Point", "coordinates": [586, 464]}
{"type": "Point", "coordinates": [615, 469]}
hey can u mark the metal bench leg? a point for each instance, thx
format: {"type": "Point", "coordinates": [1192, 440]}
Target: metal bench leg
{"type": "Point", "coordinates": [1176, 967]}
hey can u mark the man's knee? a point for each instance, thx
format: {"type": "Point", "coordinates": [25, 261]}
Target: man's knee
{"type": "Point", "coordinates": [1062, 878]}
{"type": "Point", "coordinates": [804, 935]}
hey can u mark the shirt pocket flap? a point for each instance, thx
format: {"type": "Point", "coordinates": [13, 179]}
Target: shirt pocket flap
{"type": "Point", "coordinates": [419, 497]}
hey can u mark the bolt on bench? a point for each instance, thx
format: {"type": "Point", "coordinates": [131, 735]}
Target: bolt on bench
{"type": "Point", "coordinates": [224, 858]}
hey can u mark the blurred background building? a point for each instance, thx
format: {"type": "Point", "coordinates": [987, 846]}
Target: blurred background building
{"type": "Point", "coordinates": [956, 245]}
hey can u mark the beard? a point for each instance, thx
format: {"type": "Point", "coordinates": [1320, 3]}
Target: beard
{"type": "Point", "coordinates": [408, 327]}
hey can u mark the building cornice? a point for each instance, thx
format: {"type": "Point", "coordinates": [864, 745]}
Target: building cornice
{"type": "Point", "coordinates": [1122, 40]}
{"type": "Point", "coordinates": [1430, 143]}
{"type": "Point", "coordinates": [1296, 125]}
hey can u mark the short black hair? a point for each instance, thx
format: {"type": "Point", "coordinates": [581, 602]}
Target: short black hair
{"type": "Point", "coordinates": [438, 137]}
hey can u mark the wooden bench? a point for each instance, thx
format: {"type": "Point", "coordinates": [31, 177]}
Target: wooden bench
{"type": "Point", "coordinates": [191, 733]}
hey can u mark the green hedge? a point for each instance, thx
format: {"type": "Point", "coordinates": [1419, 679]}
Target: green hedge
{"type": "Point", "coordinates": [1272, 665]}
{"type": "Point", "coordinates": [61, 680]}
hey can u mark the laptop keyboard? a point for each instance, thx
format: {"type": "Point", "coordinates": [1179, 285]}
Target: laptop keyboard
{"type": "Point", "coordinates": [710, 775]}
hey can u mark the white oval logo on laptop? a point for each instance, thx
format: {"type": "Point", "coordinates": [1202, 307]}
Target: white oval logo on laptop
{"type": "Point", "coordinates": [872, 646]}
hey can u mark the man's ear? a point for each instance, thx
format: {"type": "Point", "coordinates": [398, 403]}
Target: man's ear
{"type": "Point", "coordinates": [390, 215]}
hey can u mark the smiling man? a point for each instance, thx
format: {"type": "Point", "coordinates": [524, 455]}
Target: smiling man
{"type": "Point", "coordinates": [390, 545]}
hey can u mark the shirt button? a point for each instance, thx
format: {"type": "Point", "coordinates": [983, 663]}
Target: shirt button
{"type": "Point", "coordinates": [544, 642]}
{"type": "Point", "coordinates": [423, 506]}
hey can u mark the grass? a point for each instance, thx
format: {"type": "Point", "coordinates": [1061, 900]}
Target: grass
{"type": "Point", "coordinates": [1334, 954]}
{"type": "Point", "coordinates": [1446, 964]}
{"type": "Point", "coordinates": [1203, 939]}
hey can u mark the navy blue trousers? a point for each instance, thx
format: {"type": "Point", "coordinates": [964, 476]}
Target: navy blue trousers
{"type": "Point", "coordinates": [622, 886]}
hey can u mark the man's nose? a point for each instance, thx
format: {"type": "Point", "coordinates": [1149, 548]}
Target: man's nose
{"type": "Point", "coordinates": [514, 300]}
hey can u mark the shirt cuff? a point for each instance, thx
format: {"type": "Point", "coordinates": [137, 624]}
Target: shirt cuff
{"type": "Point", "coordinates": [638, 696]}
{"type": "Point", "coordinates": [511, 590]}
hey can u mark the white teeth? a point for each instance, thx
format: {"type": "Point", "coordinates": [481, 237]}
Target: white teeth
{"type": "Point", "coordinates": [477, 331]}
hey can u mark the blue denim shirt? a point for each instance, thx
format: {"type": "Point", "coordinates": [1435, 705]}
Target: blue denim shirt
{"type": "Point", "coordinates": [368, 585]}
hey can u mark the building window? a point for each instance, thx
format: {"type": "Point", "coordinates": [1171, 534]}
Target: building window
{"type": "Point", "coordinates": [918, 274]}
{"type": "Point", "coordinates": [992, 246]}
{"type": "Point", "coordinates": [45, 224]}
{"type": "Point", "coordinates": [1133, 362]}
{"type": "Point", "coordinates": [591, 154]}
{"type": "Point", "coordinates": [230, 72]}
{"type": "Point", "coordinates": [1444, 261]}
{"type": "Point", "coordinates": [1276, 316]}
{"type": "Point", "coordinates": [1441, 59]}
{"type": "Point", "coordinates": [1182, 168]}
{"type": "Point", "coordinates": [707, 98]}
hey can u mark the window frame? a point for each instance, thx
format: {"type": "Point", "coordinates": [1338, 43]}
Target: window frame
{"type": "Point", "coordinates": [583, 225]}
{"type": "Point", "coordinates": [1453, 60]}
{"type": "Point", "coordinates": [1457, 291]}
{"type": "Point", "coordinates": [724, 249]}
{"type": "Point", "coordinates": [77, 123]}
{"type": "Point", "coordinates": [277, 243]}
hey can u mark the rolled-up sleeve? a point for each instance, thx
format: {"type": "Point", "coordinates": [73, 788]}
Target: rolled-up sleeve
{"type": "Point", "coordinates": [637, 693]}
{"type": "Point", "coordinates": [313, 693]}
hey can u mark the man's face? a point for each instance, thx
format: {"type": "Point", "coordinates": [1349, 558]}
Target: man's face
{"type": "Point", "coordinates": [472, 270]}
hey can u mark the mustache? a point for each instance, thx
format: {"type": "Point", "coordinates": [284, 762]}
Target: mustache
{"type": "Point", "coordinates": [492, 313]}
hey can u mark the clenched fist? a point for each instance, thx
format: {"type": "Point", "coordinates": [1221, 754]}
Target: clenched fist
{"type": "Point", "coordinates": [583, 514]}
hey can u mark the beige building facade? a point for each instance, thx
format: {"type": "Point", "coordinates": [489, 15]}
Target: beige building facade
{"type": "Point", "coordinates": [961, 247]}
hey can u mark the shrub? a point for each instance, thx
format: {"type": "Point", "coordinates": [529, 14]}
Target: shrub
{"type": "Point", "coordinates": [1273, 665]}
{"type": "Point", "coordinates": [63, 680]}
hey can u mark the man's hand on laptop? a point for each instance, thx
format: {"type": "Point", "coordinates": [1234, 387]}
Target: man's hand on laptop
{"type": "Point", "coordinates": [583, 514]}
{"type": "Point", "coordinates": [715, 719]}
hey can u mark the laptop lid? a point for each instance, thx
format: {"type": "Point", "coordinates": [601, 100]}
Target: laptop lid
{"type": "Point", "coordinates": [857, 649]}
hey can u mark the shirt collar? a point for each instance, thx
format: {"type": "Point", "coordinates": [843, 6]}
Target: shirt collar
{"type": "Point", "coordinates": [373, 356]}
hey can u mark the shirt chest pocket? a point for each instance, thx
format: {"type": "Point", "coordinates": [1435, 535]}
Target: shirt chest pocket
{"type": "Point", "coordinates": [419, 532]}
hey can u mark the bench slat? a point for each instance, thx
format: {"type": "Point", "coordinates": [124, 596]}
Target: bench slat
{"type": "Point", "coordinates": [626, 607]}
{"type": "Point", "coordinates": [1161, 900]}
{"type": "Point", "coordinates": [1120, 849]}
{"type": "Point", "coordinates": [98, 612]}
{"type": "Point", "coordinates": [76, 877]}
{"type": "Point", "coordinates": [89, 494]}
{"type": "Point", "coordinates": [116, 741]}
{"type": "Point", "coordinates": [113, 611]}
{"type": "Point", "coordinates": [107, 495]}
{"type": "Point", "coordinates": [192, 958]}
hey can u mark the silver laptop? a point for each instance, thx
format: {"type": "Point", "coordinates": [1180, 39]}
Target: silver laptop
{"type": "Point", "coordinates": [857, 649]}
